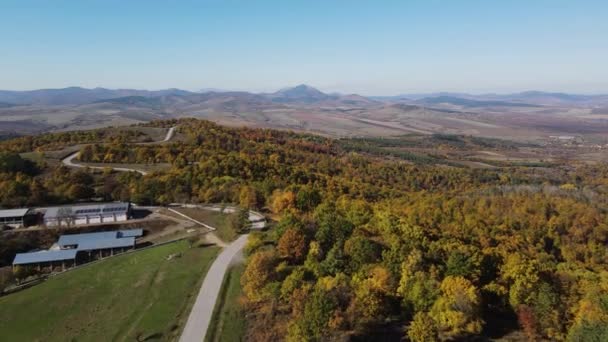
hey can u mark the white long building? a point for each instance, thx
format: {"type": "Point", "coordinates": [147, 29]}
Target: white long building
{"type": "Point", "coordinates": [87, 214]}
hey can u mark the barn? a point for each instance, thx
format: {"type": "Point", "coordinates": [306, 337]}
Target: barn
{"type": "Point", "coordinates": [17, 218]}
{"type": "Point", "coordinates": [87, 214]}
{"type": "Point", "coordinates": [50, 258]}
{"type": "Point", "coordinates": [73, 249]}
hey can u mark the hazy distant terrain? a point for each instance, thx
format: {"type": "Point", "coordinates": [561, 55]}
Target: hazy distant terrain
{"type": "Point", "coordinates": [521, 116]}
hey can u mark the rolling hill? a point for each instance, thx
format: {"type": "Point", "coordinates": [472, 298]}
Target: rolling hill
{"type": "Point", "coordinates": [77, 95]}
{"type": "Point", "coordinates": [471, 103]}
{"type": "Point", "coordinates": [304, 108]}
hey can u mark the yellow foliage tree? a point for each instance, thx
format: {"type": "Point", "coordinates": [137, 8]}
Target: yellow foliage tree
{"type": "Point", "coordinates": [282, 201]}
{"type": "Point", "coordinates": [456, 310]}
{"type": "Point", "coordinates": [259, 271]}
{"type": "Point", "coordinates": [422, 329]}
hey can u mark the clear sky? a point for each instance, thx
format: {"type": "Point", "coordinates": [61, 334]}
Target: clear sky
{"type": "Point", "coordinates": [368, 47]}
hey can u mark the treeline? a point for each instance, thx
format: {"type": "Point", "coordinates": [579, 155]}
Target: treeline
{"type": "Point", "coordinates": [388, 147]}
{"type": "Point", "coordinates": [414, 148]}
{"type": "Point", "coordinates": [59, 185]}
{"type": "Point", "coordinates": [13, 163]}
{"type": "Point", "coordinates": [57, 141]}
{"type": "Point", "coordinates": [443, 141]}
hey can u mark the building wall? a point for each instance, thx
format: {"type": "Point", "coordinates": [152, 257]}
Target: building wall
{"type": "Point", "coordinates": [94, 219]}
{"type": "Point", "coordinates": [80, 220]}
{"type": "Point", "coordinates": [13, 222]}
{"type": "Point", "coordinates": [90, 219]}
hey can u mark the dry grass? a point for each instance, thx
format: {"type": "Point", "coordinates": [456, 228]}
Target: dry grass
{"type": "Point", "coordinates": [218, 220]}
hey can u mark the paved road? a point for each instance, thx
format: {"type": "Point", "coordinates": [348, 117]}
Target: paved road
{"type": "Point", "coordinates": [202, 311]}
{"type": "Point", "coordinates": [69, 160]}
{"type": "Point", "coordinates": [170, 134]}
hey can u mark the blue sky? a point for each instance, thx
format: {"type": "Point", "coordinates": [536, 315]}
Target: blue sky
{"type": "Point", "coordinates": [367, 47]}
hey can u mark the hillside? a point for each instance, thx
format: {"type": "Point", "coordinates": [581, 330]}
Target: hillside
{"type": "Point", "coordinates": [77, 95]}
{"type": "Point", "coordinates": [304, 108]}
{"type": "Point", "coordinates": [470, 103]}
{"type": "Point", "coordinates": [373, 236]}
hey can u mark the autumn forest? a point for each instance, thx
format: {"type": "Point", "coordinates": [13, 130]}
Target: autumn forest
{"type": "Point", "coordinates": [364, 245]}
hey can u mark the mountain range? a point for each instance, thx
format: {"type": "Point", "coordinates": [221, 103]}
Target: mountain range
{"type": "Point", "coordinates": [77, 95]}
{"type": "Point", "coordinates": [305, 108]}
{"type": "Point", "coordinates": [301, 94]}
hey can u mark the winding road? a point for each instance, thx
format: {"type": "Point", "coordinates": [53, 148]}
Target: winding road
{"type": "Point", "coordinates": [196, 327]}
{"type": "Point", "coordinates": [69, 160]}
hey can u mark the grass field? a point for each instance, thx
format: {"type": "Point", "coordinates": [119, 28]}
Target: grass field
{"type": "Point", "coordinates": [228, 321]}
{"type": "Point", "coordinates": [126, 298]}
{"type": "Point", "coordinates": [216, 219]}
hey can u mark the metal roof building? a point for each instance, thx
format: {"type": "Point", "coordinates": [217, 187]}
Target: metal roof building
{"type": "Point", "coordinates": [13, 212]}
{"type": "Point", "coordinates": [89, 238]}
{"type": "Point", "coordinates": [74, 239]}
{"type": "Point", "coordinates": [13, 217]}
{"type": "Point", "coordinates": [44, 256]}
{"type": "Point", "coordinates": [87, 213]}
{"type": "Point", "coordinates": [71, 244]}
{"type": "Point", "coordinates": [100, 240]}
{"type": "Point", "coordinates": [94, 245]}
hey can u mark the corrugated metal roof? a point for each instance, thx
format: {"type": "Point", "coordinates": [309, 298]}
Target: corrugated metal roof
{"type": "Point", "coordinates": [13, 212]}
{"type": "Point", "coordinates": [88, 209]}
{"type": "Point", "coordinates": [77, 239]}
{"type": "Point", "coordinates": [44, 256]}
{"type": "Point", "coordinates": [83, 242]}
{"type": "Point", "coordinates": [92, 245]}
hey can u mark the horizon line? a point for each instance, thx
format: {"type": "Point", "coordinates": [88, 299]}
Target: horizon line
{"type": "Point", "coordinates": [226, 90]}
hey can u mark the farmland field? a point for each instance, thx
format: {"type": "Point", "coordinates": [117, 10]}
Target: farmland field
{"type": "Point", "coordinates": [137, 296]}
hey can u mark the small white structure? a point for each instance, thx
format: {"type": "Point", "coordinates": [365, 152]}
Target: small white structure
{"type": "Point", "coordinates": [14, 218]}
{"type": "Point", "coordinates": [87, 214]}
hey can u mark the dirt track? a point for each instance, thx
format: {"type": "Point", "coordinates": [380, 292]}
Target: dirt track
{"type": "Point", "coordinates": [68, 161]}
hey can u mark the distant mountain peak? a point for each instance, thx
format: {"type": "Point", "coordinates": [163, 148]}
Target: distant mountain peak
{"type": "Point", "coordinates": [305, 86]}
{"type": "Point", "coordinates": [301, 90]}
{"type": "Point", "coordinates": [300, 93]}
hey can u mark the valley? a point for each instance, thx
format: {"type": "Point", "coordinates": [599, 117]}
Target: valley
{"type": "Point", "coordinates": [306, 109]}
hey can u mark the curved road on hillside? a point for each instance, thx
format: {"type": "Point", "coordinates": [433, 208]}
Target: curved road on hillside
{"type": "Point", "coordinates": [170, 134]}
{"type": "Point", "coordinates": [196, 327]}
{"type": "Point", "coordinates": [69, 160]}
